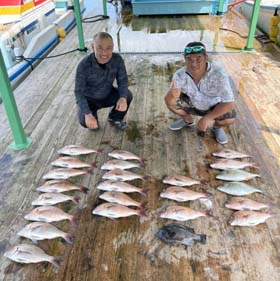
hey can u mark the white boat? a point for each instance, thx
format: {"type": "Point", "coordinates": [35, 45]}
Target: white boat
{"type": "Point", "coordinates": [30, 29]}
{"type": "Point", "coordinates": [267, 9]}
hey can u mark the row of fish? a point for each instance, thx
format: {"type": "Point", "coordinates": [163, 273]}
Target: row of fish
{"type": "Point", "coordinates": [116, 186]}
{"type": "Point", "coordinates": [52, 194]}
{"type": "Point", "coordinates": [247, 210]}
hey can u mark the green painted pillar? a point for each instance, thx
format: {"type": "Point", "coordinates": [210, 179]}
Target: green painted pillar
{"type": "Point", "coordinates": [79, 24]}
{"type": "Point", "coordinates": [104, 8]}
{"type": "Point", "coordinates": [20, 139]}
{"type": "Point", "coordinates": [220, 7]}
{"type": "Point", "coordinates": [253, 25]}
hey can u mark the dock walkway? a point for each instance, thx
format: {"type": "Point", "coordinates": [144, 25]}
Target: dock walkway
{"type": "Point", "coordinates": [126, 249]}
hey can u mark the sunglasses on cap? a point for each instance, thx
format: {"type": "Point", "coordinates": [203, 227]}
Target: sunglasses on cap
{"type": "Point", "coordinates": [194, 49]}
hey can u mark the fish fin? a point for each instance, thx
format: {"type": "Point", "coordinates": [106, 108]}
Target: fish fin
{"type": "Point", "coordinates": [202, 238]}
{"type": "Point", "coordinates": [142, 213]}
{"type": "Point", "coordinates": [76, 199]}
{"type": "Point", "coordinates": [144, 191]}
{"type": "Point", "coordinates": [56, 261]}
{"type": "Point", "coordinates": [74, 221]}
{"type": "Point", "coordinates": [34, 241]}
{"type": "Point", "coordinates": [69, 238]}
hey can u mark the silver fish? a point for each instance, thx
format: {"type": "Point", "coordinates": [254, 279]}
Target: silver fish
{"type": "Point", "coordinates": [60, 186]}
{"type": "Point", "coordinates": [119, 198]}
{"type": "Point", "coordinates": [236, 175]}
{"type": "Point", "coordinates": [230, 154]}
{"type": "Point", "coordinates": [229, 164]}
{"type": "Point", "coordinates": [243, 204]}
{"type": "Point", "coordinates": [180, 180]}
{"type": "Point", "coordinates": [122, 175]}
{"type": "Point", "coordinates": [49, 214]}
{"type": "Point", "coordinates": [112, 210]}
{"type": "Point", "coordinates": [238, 188]}
{"type": "Point", "coordinates": [119, 164]}
{"type": "Point", "coordinates": [180, 234]}
{"type": "Point", "coordinates": [248, 218]}
{"type": "Point", "coordinates": [182, 194]}
{"type": "Point", "coordinates": [70, 162]}
{"type": "Point", "coordinates": [74, 150]}
{"type": "Point", "coordinates": [125, 155]}
{"type": "Point", "coordinates": [43, 230]}
{"type": "Point", "coordinates": [25, 253]}
{"type": "Point", "coordinates": [120, 186]}
{"type": "Point", "coordinates": [47, 199]}
{"type": "Point", "coordinates": [181, 213]}
{"type": "Point", "coordinates": [63, 174]}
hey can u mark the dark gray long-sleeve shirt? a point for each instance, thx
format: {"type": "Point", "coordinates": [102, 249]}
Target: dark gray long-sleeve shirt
{"type": "Point", "coordinates": [95, 81]}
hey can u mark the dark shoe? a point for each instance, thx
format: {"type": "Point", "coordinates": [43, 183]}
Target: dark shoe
{"type": "Point", "coordinates": [179, 124]}
{"type": "Point", "coordinates": [118, 124]}
{"type": "Point", "coordinates": [220, 135]}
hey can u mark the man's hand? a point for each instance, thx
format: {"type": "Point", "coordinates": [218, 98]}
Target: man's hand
{"type": "Point", "coordinates": [202, 124]}
{"type": "Point", "coordinates": [121, 104]}
{"type": "Point", "coordinates": [91, 121]}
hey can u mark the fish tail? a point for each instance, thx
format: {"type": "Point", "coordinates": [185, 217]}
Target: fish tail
{"type": "Point", "coordinates": [146, 178]}
{"type": "Point", "coordinates": [76, 199]}
{"type": "Point", "coordinates": [143, 205]}
{"type": "Point", "coordinates": [84, 189]}
{"type": "Point", "coordinates": [144, 191]}
{"type": "Point", "coordinates": [94, 164]}
{"type": "Point", "coordinates": [56, 261]}
{"type": "Point", "coordinates": [99, 151]}
{"type": "Point", "coordinates": [69, 238]}
{"type": "Point", "coordinates": [142, 162]}
{"type": "Point", "coordinates": [202, 238]}
{"type": "Point", "coordinates": [90, 171]}
{"type": "Point", "coordinates": [209, 213]}
{"type": "Point", "coordinates": [74, 220]}
{"type": "Point", "coordinates": [142, 213]}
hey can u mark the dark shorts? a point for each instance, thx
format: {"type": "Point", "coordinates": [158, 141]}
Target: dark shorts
{"type": "Point", "coordinates": [184, 103]}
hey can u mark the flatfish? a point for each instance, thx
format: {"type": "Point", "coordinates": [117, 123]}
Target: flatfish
{"type": "Point", "coordinates": [180, 234]}
{"type": "Point", "coordinates": [26, 253]}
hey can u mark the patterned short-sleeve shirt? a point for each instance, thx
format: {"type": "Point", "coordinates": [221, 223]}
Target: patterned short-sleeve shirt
{"type": "Point", "coordinates": [213, 88]}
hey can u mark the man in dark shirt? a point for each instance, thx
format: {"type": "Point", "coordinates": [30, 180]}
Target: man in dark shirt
{"type": "Point", "coordinates": [94, 84]}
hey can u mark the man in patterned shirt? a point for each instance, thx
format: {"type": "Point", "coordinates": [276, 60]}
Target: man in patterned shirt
{"type": "Point", "coordinates": [201, 88]}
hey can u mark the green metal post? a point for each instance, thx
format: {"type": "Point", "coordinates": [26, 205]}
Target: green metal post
{"type": "Point", "coordinates": [253, 25]}
{"type": "Point", "coordinates": [220, 7]}
{"type": "Point", "coordinates": [20, 139]}
{"type": "Point", "coordinates": [104, 8]}
{"type": "Point", "coordinates": [77, 11]}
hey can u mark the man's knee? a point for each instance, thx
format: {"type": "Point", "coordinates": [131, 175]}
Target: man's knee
{"type": "Point", "coordinates": [225, 122]}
